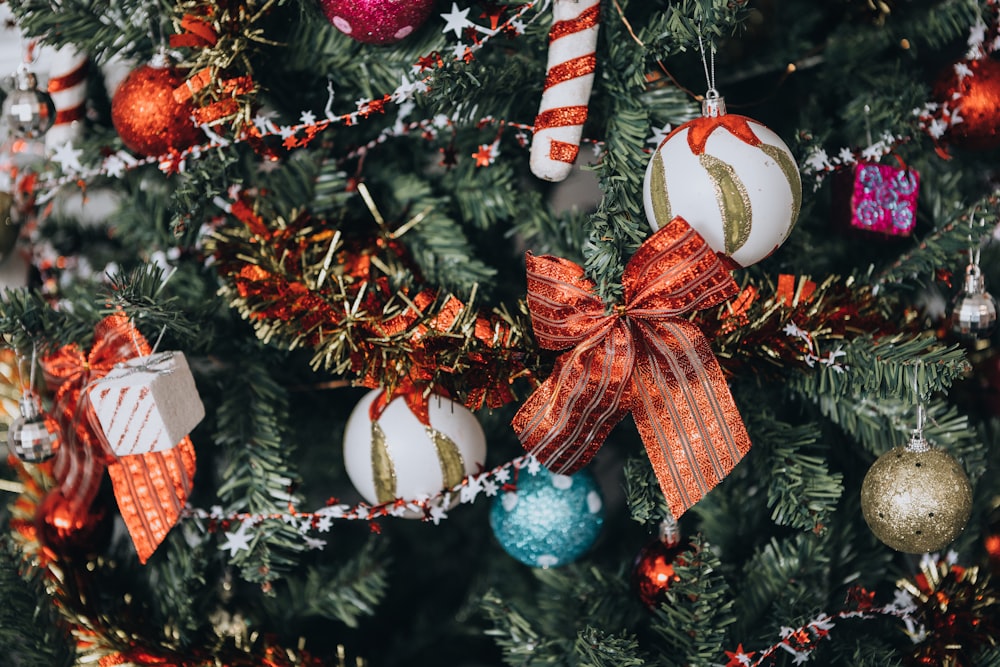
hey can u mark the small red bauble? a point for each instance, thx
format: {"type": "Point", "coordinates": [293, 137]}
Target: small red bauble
{"type": "Point", "coordinates": [377, 21]}
{"type": "Point", "coordinates": [147, 117]}
{"type": "Point", "coordinates": [65, 530]}
{"type": "Point", "coordinates": [992, 539]}
{"type": "Point", "coordinates": [653, 571]}
{"type": "Point", "coordinates": [971, 88]}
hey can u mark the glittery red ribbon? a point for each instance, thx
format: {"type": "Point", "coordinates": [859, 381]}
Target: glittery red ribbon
{"type": "Point", "coordinates": [150, 488]}
{"type": "Point", "coordinates": [644, 358]}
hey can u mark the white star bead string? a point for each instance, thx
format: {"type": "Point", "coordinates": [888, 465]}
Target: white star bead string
{"type": "Point", "coordinates": [238, 527]}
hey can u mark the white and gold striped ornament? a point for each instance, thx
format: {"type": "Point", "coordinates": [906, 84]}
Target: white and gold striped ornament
{"type": "Point", "coordinates": [410, 447]}
{"type": "Point", "coordinates": [731, 178]}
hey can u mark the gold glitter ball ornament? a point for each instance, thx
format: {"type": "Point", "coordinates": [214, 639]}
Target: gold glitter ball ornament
{"type": "Point", "coordinates": [916, 501]}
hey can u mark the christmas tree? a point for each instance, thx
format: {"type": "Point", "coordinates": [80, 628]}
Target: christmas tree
{"type": "Point", "coordinates": [542, 332]}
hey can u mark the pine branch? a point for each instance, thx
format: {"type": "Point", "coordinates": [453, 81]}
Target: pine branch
{"type": "Point", "coordinates": [26, 318]}
{"type": "Point", "coordinates": [619, 225]}
{"type": "Point", "coordinates": [467, 92]}
{"type": "Point", "coordinates": [694, 619]}
{"type": "Point", "coordinates": [562, 236]}
{"type": "Point", "coordinates": [522, 644]}
{"type": "Point", "coordinates": [346, 592]}
{"type": "Point", "coordinates": [139, 295]}
{"type": "Point", "coordinates": [595, 648]}
{"type": "Point", "coordinates": [192, 198]}
{"type": "Point", "coordinates": [646, 502]}
{"type": "Point", "coordinates": [179, 578]}
{"type": "Point", "coordinates": [29, 636]}
{"type": "Point", "coordinates": [786, 579]}
{"type": "Point", "coordinates": [487, 197]}
{"type": "Point", "coordinates": [329, 187]}
{"type": "Point", "coordinates": [258, 478]}
{"type": "Point", "coordinates": [951, 238]}
{"type": "Point", "coordinates": [802, 491]}
{"type": "Point", "coordinates": [99, 28]}
{"type": "Point", "coordinates": [437, 242]}
{"type": "Point", "coordinates": [938, 25]}
{"type": "Point", "coordinates": [574, 597]}
{"type": "Point", "coordinates": [880, 425]}
{"type": "Point", "coordinates": [575, 605]}
{"type": "Point", "coordinates": [678, 27]}
{"type": "Point", "coordinates": [869, 652]}
{"type": "Point", "coordinates": [304, 180]}
{"type": "Point", "coordinates": [898, 366]}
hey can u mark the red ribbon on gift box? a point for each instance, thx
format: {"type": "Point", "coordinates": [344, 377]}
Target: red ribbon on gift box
{"type": "Point", "coordinates": [151, 488]}
{"type": "Point", "coordinates": [642, 357]}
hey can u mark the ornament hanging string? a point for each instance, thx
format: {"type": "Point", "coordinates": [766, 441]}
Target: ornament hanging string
{"type": "Point", "coordinates": [709, 66]}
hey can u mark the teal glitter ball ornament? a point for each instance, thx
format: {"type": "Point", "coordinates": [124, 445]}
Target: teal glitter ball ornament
{"type": "Point", "coordinates": [546, 520]}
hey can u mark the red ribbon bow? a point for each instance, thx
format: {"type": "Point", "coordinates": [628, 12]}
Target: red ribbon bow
{"type": "Point", "coordinates": [150, 488]}
{"type": "Point", "coordinates": [644, 358]}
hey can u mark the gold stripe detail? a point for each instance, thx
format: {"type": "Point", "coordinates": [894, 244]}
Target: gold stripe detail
{"type": "Point", "coordinates": [733, 200]}
{"type": "Point", "coordinates": [658, 193]}
{"type": "Point", "coordinates": [791, 171]}
{"type": "Point", "coordinates": [383, 472]}
{"type": "Point", "coordinates": [449, 457]}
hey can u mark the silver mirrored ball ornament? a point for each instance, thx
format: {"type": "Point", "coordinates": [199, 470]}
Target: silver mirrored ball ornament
{"type": "Point", "coordinates": [974, 310]}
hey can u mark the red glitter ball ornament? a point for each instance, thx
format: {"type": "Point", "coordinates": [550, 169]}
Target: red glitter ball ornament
{"type": "Point", "coordinates": [971, 88]}
{"type": "Point", "coordinates": [147, 117]}
{"type": "Point", "coordinates": [653, 571]}
{"type": "Point", "coordinates": [67, 531]}
{"type": "Point", "coordinates": [377, 21]}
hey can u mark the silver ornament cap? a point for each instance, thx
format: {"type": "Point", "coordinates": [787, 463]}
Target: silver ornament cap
{"type": "Point", "coordinates": [713, 105]}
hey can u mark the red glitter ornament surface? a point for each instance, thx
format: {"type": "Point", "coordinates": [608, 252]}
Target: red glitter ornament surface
{"type": "Point", "coordinates": [148, 118]}
{"type": "Point", "coordinates": [377, 21]}
{"type": "Point", "coordinates": [653, 571]}
{"type": "Point", "coordinates": [976, 98]}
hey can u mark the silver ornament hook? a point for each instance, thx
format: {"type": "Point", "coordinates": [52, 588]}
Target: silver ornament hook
{"type": "Point", "coordinates": [918, 443]}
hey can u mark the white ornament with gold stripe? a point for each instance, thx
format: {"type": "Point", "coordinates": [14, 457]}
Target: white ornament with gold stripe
{"type": "Point", "coordinates": [410, 448]}
{"type": "Point", "coordinates": [731, 178]}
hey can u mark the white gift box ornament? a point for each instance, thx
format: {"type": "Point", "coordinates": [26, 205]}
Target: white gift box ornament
{"type": "Point", "coordinates": [148, 404]}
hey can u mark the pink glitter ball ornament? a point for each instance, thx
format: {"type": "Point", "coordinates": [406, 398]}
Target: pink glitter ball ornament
{"type": "Point", "coordinates": [377, 21]}
{"type": "Point", "coordinates": [884, 198]}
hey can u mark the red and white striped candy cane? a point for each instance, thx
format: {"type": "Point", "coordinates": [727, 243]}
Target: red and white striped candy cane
{"type": "Point", "coordinates": [68, 88]}
{"type": "Point", "coordinates": [568, 81]}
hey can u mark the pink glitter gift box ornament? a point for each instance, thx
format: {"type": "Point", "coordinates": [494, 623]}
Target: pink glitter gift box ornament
{"type": "Point", "coordinates": [147, 404]}
{"type": "Point", "coordinates": [883, 198]}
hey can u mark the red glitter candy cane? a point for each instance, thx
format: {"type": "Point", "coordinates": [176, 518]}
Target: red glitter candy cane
{"type": "Point", "coordinates": [68, 88]}
{"type": "Point", "coordinates": [568, 81]}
